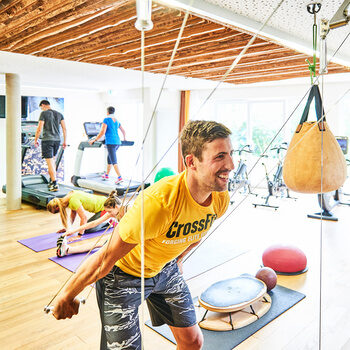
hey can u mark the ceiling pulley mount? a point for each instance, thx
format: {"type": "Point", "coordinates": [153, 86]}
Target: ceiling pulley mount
{"type": "Point", "coordinates": [313, 8]}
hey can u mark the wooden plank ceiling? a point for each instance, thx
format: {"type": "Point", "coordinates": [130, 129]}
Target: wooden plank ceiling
{"type": "Point", "coordinates": [103, 32]}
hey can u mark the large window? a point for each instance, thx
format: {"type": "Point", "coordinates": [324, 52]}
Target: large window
{"type": "Point", "coordinates": [344, 112]}
{"type": "Point", "coordinates": [253, 122]}
{"type": "Point", "coordinates": [266, 120]}
{"type": "Point", "coordinates": [235, 117]}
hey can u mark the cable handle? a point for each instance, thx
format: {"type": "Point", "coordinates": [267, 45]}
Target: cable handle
{"type": "Point", "coordinates": [49, 309]}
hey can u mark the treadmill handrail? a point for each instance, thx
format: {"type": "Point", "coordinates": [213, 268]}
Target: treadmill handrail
{"type": "Point", "coordinates": [85, 144]}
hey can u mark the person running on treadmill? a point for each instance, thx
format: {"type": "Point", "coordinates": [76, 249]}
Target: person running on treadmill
{"type": "Point", "coordinates": [49, 122]}
{"type": "Point", "coordinates": [110, 126]}
{"type": "Point", "coordinates": [112, 209]}
{"type": "Point", "coordinates": [78, 202]}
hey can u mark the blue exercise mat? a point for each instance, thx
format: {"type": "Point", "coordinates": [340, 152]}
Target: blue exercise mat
{"type": "Point", "coordinates": [49, 240]}
{"type": "Point", "coordinates": [282, 300]}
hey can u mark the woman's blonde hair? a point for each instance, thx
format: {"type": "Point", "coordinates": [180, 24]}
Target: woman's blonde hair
{"type": "Point", "coordinates": [58, 205]}
{"type": "Point", "coordinates": [113, 201]}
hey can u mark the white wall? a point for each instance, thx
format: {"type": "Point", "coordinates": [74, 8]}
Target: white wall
{"type": "Point", "coordinates": [167, 130]}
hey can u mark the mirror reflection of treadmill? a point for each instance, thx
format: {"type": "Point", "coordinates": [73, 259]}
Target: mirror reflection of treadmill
{"type": "Point", "coordinates": [94, 181]}
{"type": "Point", "coordinates": [343, 142]}
{"type": "Point", "coordinates": [35, 187]}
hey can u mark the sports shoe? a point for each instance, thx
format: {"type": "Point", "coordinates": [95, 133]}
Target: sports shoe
{"type": "Point", "coordinates": [53, 187]}
{"type": "Point", "coordinates": [62, 247]}
{"type": "Point", "coordinates": [119, 180]}
{"type": "Point", "coordinates": [105, 176]}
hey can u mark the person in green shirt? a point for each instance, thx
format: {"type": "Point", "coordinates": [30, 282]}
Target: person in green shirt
{"type": "Point", "coordinates": [80, 203]}
{"type": "Point", "coordinates": [112, 210]}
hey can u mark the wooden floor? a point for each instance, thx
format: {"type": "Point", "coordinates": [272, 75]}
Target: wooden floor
{"type": "Point", "coordinates": [29, 280]}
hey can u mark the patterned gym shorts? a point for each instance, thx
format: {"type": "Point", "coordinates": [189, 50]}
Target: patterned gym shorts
{"type": "Point", "coordinates": [119, 294]}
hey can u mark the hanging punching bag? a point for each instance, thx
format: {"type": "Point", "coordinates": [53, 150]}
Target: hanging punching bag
{"type": "Point", "coordinates": [313, 145]}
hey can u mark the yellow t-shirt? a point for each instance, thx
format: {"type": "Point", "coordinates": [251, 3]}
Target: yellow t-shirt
{"type": "Point", "coordinates": [90, 202]}
{"type": "Point", "coordinates": [173, 220]}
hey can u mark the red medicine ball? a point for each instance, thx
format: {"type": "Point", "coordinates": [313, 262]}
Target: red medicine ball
{"type": "Point", "coordinates": [285, 259]}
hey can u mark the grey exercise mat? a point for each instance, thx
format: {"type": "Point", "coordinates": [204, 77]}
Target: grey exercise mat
{"type": "Point", "coordinates": [282, 300]}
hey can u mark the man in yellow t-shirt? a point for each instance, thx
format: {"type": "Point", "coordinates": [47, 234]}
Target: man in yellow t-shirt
{"type": "Point", "coordinates": [178, 211]}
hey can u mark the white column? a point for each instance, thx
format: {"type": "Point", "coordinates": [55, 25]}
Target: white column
{"type": "Point", "coordinates": [13, 142]}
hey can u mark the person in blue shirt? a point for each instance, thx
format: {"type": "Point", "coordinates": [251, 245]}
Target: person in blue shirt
{"type": "Point", "coordinates": [109, 128]}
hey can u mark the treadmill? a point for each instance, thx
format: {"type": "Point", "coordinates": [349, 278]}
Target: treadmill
{"type": "Point", "coordinates": [94, 181]}
{"type": "Point", "coordinates": [34, 187]}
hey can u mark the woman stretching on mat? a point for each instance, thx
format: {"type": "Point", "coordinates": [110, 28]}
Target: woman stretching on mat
{"type": "Point", "coordinates": [109, 128]}
{"type": "Point", "coordinates": [78, 202]}
{"type": "Point", "coordinates": [113, 210]}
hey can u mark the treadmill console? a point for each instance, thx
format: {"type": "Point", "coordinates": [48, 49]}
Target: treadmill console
{"type": "Point", "coordinates": [28, 129]}
{"type": "Point", "coordinates": [92, 129]}
{"type": "Point", "coordinates": [343, 143]}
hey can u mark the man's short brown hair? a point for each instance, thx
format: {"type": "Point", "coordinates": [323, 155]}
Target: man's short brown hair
{"type": "Point", "coordinates": [198, 132]}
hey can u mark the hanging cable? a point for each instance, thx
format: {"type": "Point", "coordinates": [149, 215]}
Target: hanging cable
{"type": "Point", "coordinates": [239, 57]}
{"type": "Point", "coordinates": [143, 23]}
{"type": "Point", "coordinates": [142, 243]}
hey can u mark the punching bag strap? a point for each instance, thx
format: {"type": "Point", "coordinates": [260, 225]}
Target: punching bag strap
{"type": "Point", "coordinates": [319, 109]}
{"type": "Point", "coordinates": [314, 93]}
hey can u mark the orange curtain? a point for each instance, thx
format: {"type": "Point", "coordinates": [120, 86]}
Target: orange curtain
{"type": "Point", "coordinates": [184, 111]}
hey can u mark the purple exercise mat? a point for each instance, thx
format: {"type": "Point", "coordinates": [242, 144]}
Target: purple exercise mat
{"type": "Point", "coordinates": [71, 262]}
{"type": "Point", "coordinates": [48, 241]}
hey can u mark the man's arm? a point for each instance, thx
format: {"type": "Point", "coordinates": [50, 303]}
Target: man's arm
{"type": "Point", "coordinates": [95, 267]}
{"type": "Point", "coordinates": [64, 130]}
{"type": "Point", "coordinates": [38, 132]}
